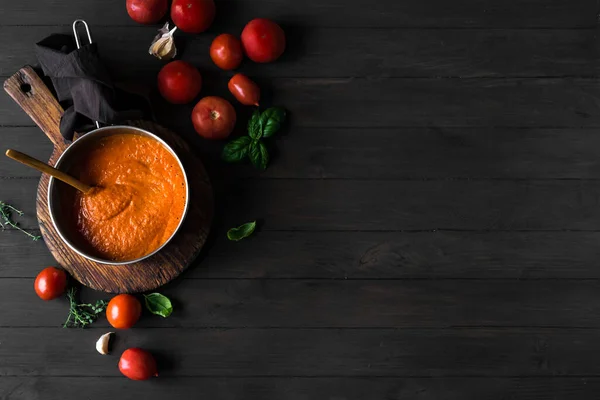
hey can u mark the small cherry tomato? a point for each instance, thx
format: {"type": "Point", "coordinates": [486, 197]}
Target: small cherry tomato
{"type": "Point", "coordinates": [123, 311]}
{"type": "Point", "coordinates": [179, 82]}
{"type": "Point", "coordinates": [193, 16]}
{"type": "Point", "coordinates": [50, 283]}
{"type": "Point", "coordinates": [137, 364]}
{"type": "Point", "coordinates": [213, 117]}
{"type": "Point", "coordinates": [226, 51]}
{"type": "Point", "coordinates": [245, 90]}
{"type": "Point", "coordinates": [147, 11]}
{"type": "Point", "coordinates": [263, 40]}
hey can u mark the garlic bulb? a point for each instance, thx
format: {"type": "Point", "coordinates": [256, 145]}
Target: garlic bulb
{"type": "Point", "coordinates": [163, 45]}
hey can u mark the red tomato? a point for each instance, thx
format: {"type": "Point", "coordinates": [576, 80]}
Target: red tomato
{"type": "Point", "coordinates": [245, 90]}
{"type": "Point", "coordinates": [213, 117]}
{"type": "Point", "coordinates": [179, 82]}
{"type": "Point", "coordinates": [147, 11]}
{"type": "Point", "coordinates": [263, 40]}
{"type": "Point", "coordinates": [193, 16]}
{"type": "Point", "coordinates": [226, 51]}
{"type": "Point", "coordinates": [137, 364]}
{"type": "Point", "coordinates": [50, 283]}
{"type": "Point", "coordinates": [123, 311]}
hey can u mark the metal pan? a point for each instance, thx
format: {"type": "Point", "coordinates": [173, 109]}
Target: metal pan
{"type": "Point", "coordinates": [68, 161]}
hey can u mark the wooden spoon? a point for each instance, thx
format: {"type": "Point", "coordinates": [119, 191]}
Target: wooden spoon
{"type": "Point", "coordinates": [45, 168]}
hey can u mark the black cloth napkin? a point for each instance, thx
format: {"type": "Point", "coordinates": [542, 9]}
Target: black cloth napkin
{"type": "Point", "coordinates": [84, 87]}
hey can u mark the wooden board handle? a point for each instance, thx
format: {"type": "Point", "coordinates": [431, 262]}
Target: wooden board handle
{"type": "Point", "coordinates": [30, 92]}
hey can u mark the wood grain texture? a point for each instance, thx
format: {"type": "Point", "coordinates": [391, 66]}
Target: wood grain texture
{"type": "Point", "coordinates": [362, 153]}
{"type": "Point", "coordinates": [322, 303]}
{"type": "Point", "coordinates": [366, 255]}
{"type": "Point", "coordinates": [311, 352]}
{"type": "Point", "coordinates": [144, 275]}
{"type": "Point", "coordinates": [23, 138]}
{"type": "Point", "coordinates": [435, 153]}
{"type": "Point", "coordinates": [356, 13]}
{"type": "Point", "coordinates": [367, 103]}
{"type": "Point", "coordinates": [417, 205]}
{"type": "Point", "coordinates": [392, 255]}
{"type": "Point", "coordinates": [302, 388]}
{"type": "Point", "coordinates": [32, 96]}
{"type": "Point", "coordinates": [398, 52]}
{"type": "Point", "coordinates": [369, 205]}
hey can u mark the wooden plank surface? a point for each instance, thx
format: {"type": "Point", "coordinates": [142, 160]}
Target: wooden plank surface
{"type": "Point", "coordinates": [310, 352]}
{"type": "Point", "coordinates": [428, 228]}
{"type": "Point", "coordinates": [302, 388]}
{"type": "Point", "coordinates": [360, 255]}
{"type": "Point", "coordinates": [358, 13]}
{"type": "Point", "coordinates": [367, 103]}
{"type": "Point", "coordinates": [374, 303]}
{"type": "Point", "coordinates": [312, 205]}
{"type": "Point", "coordinates": [357, 153]}
{"type": "Point", "coordinates": [324, 52]}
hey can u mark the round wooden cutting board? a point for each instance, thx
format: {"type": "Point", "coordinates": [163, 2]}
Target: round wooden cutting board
{"type": "Point", "coordinates": [28, 90]}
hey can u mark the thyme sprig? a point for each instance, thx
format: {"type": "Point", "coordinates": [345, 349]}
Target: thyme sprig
{"type": "Point", "coordinates": [82, 314]}
{"type": "Point", "coordinates": [6, 211]}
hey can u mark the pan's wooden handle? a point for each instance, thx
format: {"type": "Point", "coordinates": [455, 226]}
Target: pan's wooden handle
{"type": "Point", "coordinates": [30, 92]}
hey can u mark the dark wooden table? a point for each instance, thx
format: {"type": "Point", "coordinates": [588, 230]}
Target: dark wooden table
{"type": "Point", "coordinates": [430, 224]}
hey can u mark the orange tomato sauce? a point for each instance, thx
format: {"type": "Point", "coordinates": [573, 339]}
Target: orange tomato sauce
{"type": "Point", "coordinates": [138, 199]}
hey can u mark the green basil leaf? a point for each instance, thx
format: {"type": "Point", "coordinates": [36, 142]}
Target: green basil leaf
{"type": "Point", "coordinates": [236, 150]}
{"type": "Point", "coordinates": [158, 304]}
{"type": "Point", "coordinates": [241, 231]}
{"type": "Point", "coordinates": [259, 155]}
{"type": "Point", "coordinates": [254, 127]}
{"type": "Point", "coordinates": [271, 120]}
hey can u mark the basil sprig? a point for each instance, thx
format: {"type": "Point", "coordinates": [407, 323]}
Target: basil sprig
{"type": "Point", "coordinates": [261, 125]}
{"type": "Point", "coordinates": [242, 231]}
{"type": "Point", "coordinates": [158, 304]}
{"type": "Point", "coordinates": [271, 120]}
{"type": "Point", "coordinates": [237, 149]}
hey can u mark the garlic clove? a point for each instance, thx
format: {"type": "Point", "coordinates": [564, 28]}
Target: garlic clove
{"type": "Point", "coordinates": [103, 342]}
{"type": "Point", "coordinates": [163, 45]}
